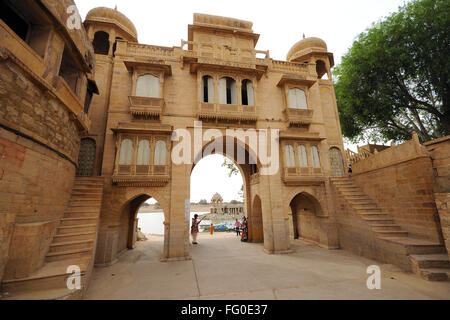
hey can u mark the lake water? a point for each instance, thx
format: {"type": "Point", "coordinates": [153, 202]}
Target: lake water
{"type": "Point", "coordinates": [152, 223]}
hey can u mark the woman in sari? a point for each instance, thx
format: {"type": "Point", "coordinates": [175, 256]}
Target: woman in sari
{"type": "Point", "coordinates": [244, 237]}
{"type": "Point", "coordinates": [194, 229]}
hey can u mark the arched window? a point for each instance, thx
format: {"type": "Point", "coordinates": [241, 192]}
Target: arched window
{"type": "Point", "coordinates": [227, 91]}
{"type": "Point", "coordinates": [248, 95]}
{"type": "Point", "coordinates": [315, 157]}
{"type": "Point", "coordinates": [126, 152]}
{"type": "Point", "coordinates": [160, 158]}
{"type": "Point", "coordinates": [321, 69]}
{"type": "Point", "coordinates": [143, 158]}
{"type": "Point", "coordinates": [101, 43]}
{"type": "Point", "coordinates": [302, 156]}
{"type": "Point", "coordinates": [290, 156]}
{"type": "Point", "coordinates": [208, 89]}
{"type": "Point", "coordinates": [147, 86]}
{"type": "Point", "coordinates": [297, 99]}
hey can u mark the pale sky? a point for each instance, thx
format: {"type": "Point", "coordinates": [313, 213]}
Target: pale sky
{"type": "Point", "coordinates": [281, 23]}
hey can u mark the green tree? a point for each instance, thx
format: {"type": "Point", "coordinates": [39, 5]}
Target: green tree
{"type": "Point", "coordinates": [395, 78]}
{"type": "Point", "coordinates": [203, 201]}
{"type": "Point", "coordinates": [234, 171]}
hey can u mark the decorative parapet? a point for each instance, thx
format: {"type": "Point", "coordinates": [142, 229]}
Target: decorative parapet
{"type": "Point", "coordinates": [407, 151]}
{"type": "Point", "coordinates": [302, 117]}
{"type": "Point", "coordinates": [141, 176]}
{"type": "Point", "coordinates": [142, 50]}
{"type": "Point", "coordinates": [303, 176]}
{"type": "Point", "coordinates": [231, 112]}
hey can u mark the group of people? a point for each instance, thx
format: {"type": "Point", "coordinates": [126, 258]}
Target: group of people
{"type": "Point", "coordinates": [239, 227]}
{"type": "Point", "coordinates": [244, 227]}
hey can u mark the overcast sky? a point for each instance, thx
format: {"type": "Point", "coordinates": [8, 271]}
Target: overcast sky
{"type": "Point", "coordinates": [281, 23]}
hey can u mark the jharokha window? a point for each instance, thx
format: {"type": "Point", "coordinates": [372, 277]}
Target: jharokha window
{"type": "Point", "coordinates": [297, 99]}
{"type": "Point", "coordinates": [301, 158]}
{"type": "Point", "coordinates": [142, 155]}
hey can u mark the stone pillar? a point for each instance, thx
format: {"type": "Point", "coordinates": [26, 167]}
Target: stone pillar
{"type": "Point", "coordinates": [6, 227]}
{"type": "Point", "coordinates": [276, 222]}
{"type": "Point", "coordinates": [176, 247]}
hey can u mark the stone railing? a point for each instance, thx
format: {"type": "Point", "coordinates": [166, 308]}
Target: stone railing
{"type": "Point", "coordinates": [146, 107]}
{"type": "Point", "coordinates": [141, 175]}
{"type": "Point", "coordinates": [290, 67]}
{"type": "Point", "coordinates": [299, 176]}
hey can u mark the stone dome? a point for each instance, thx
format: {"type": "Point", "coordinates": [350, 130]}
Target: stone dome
{"type": "Point", "coordinates": [102, 14]}
{"type": "Point", "coordinates": [304, 46]}
{"type": "Point", "coordinates": [217, 198]}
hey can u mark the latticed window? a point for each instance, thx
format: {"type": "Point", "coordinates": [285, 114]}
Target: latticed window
{"type": "Point", "coordinates": [315, 157]}
{"type": "Point", "coordinates": [143, 158]}
{"type": "Point", "coordinates": [290, 156]}
{"type": "Point", "coordinates": [297, 99]}
{"type": "Point", "coordinates": [126, 152]}
{"type": "Point", "coordinates": [148, 86]}
{"type": "Point", "coordinates": [160, 158]}
{"type": "Point", "coordinates": [302, 156]}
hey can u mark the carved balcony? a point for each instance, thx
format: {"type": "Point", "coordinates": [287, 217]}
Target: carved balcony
{"type": "Point", "coordinates": [229, 112]}
{"type": "Point", "coordinates": [146, 107]}
{"type": "Point", "coordinates": [299, 117]}
{"type": "Point", "coordinates": [303, 176]}
{"type": "Point", "coordinates": [141, 175]}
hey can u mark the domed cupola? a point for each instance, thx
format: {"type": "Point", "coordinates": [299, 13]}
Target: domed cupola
{"type": "Point", "coordinates": [112, 17]}
{"type": "Point", "coordinates": [304, 47]}
{"type": "Point", "coordinates": [314, 51]}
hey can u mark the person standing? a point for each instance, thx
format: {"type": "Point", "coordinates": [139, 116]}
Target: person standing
{"type": "Point", "coordinates": [212, 229]}
{"type": "Point", "coordinates": [238, 227]}
{"type": "Point", "coordinates": [194, 229]}
{"type": "Point", "coordinates": [244, 237]}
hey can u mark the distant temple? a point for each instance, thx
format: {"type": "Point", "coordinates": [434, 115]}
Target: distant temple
{"type": "Point", "coordinates": [218, 207]}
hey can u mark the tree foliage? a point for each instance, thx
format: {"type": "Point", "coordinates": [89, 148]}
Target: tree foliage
{"type": "Point", "coordinates": [395, 78]}
{"type": "Point", "coordinates": [234, 171]}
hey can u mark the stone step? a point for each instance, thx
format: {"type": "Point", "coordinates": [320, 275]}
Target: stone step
{"type": "Point", "coordinates": [71, 245]}
{"type": "Point", "coordinates": [358, 197]}
{"type": "Point", "coordinates": [78, 195]}
{"type": "Point", "coordinates": [385, 227]}
{"type": "Point", "coordinates": [424, 261]}
{"type": "Point", "coordinates": [358, 205]}
{"type": "Point", "coordinates": [83, 203]}
{"type": "Point", "coordinates": [68, 254]}
{"type": "Point", "coordinates": [387, 220]}
{"type": "Point", "coordinates": [53, 275]}
{"type": "Point", "coordinates": [73, 237]}
{"type": "Point", "coordinates": [416, 246]}
{"type": "Point", "coordinates": [374, 215]}
{"type": "Point", "coordinates": [435, 274]}
{"type": "Point", "coordinates": [391, 233]}
{"type": "Point", "coordinates": [77, 228]}
{"type": "Point", "coordinates": [77, 221]}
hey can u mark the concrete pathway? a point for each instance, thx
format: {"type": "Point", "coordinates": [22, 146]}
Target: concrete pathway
{"type": "Point", "coordinates": [223, 268]}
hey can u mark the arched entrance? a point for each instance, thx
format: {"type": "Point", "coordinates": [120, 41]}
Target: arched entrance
{"type": "Point", "coordinates": [305, 209]}
{"type": "Point", "coordinates": [86, 158]}
{"type": "Point", "coordinates": [337, 166]}
{"type": "Point", "coordinates": [255, 222]}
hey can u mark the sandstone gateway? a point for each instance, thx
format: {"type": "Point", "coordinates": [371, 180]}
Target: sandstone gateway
{"type": "Point", "coordinates": [87, 117]}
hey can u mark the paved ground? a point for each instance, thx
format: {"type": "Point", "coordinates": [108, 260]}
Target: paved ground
{"type": "Point", "coordinates": [224, 268]}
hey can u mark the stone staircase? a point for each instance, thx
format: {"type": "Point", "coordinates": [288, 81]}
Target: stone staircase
{"type": "Point", "coordinates": [427, 259]}
{"type": "Point", "coordinates": [73, 245]}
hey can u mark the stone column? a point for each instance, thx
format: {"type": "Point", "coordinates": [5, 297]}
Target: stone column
{"type": "Point", "coordinates": [176, 245]}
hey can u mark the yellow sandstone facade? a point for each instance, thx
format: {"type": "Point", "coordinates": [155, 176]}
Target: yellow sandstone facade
{"type": "Point", "coordinates": [77, 165]}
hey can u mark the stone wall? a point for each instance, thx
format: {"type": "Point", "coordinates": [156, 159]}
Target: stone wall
{"type": "Point", "coordinates": [401, 181]}
{"type": "Point", "coordinates": [440, 155]}
{"type": "Point", "coordinates": [443, 206]}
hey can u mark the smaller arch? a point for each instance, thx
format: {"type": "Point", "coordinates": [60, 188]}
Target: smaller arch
{"type": "Point", "coordinates": [248, 94]}
{"type": "Point", "coordinates": [160, 157]}
{"type": "Point", "coordinates": [297, 99]}
{"type": "Point", "coordinates": [321, 69]}
{"type": "Point", "coordinates": [305, 209]}
{"type": "Point", "coordinates": [148, 86]}
{"type": "Point", "coordinates": [208, 89]}
{"type": "Point", "coordinates": [315, 158]}
{"type": "Point", "coordinates": [289, 155]}
{"type": "Point", "coordinates": [101, 43]}
{"type": "Point", "coordinates": [255, 221]}
{"type": "Point", "coordinates": [126, 152]}
{"type": "Point", "coordinates": [227, 91]}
